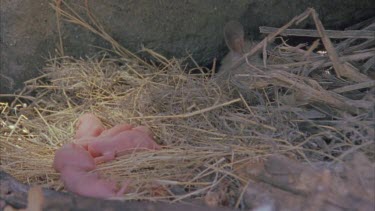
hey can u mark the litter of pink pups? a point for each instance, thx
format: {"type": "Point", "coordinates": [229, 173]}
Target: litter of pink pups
{"type": "Point", "coordinates": [94, 144]}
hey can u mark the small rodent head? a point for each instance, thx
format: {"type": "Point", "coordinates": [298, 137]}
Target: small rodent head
{"type": "Point", "coordinates": [88, 125]}
{"type": "Point", "coordinates": [234, 36]}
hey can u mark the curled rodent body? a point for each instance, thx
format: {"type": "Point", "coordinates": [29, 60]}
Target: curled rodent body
{"type": "Point", "coordinates": [234, 36]}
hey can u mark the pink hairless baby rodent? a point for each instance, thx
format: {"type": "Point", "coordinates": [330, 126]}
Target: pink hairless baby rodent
{"type": "Point", "coordinates": [90, 184]}
{"type": "Point", "coordinates": [88, 125]}
{"type": "Point", "coordinates": [74, 164]}
{"type": "Point", "coordinates": [84, 139]}
{"type": "Point", "coordinates": [73, 155]}
{"type": "Point", "coordinates": [118, 140]}
{"type": "Point", "coordinates": [117, 129]}
{"type": "Point", "coordinates": [105, 148]}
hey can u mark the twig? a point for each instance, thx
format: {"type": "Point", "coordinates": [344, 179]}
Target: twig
{"type": "Point", "coordinates": [370, 63]}
{"type": "Point", "coordinates": [58, 23]}
{"type": "Point", "coordinates": [361, 24]}
{"type": "Point", "coordinates": [17, 96]}
{"type": "Point", "coordinates": [189, 114]}
{"type": "Point", "coordinates": [271, 37]}
{"type": "Point", "coordinates": [367, 84]}
{"type": "Point", "coordinates": [314, 33]}
{"type": "Point", "coordinates": [332, 54]}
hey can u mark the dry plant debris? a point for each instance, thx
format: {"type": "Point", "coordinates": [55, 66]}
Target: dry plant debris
{"type": "Point", "coordinates": [35, 200]}
{"type": "Point", "coordinates": [293, 104]}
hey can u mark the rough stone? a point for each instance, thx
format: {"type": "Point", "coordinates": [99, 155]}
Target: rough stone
{"type": "Point", "coordinates": [174, 28]}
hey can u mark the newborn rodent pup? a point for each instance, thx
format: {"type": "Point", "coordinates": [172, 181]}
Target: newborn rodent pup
{"type": "Point", "coordinates": [88, 125]}
{"type": "Point", "coordinates": [105, 148]}
{"type": "Point", "coordinates": [234, 36]}
{"type": "Point", "coordinates": [73, 155]}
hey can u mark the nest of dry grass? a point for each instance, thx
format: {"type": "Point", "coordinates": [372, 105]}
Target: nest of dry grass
{"type": "Point", "coordinates": [207, 129]}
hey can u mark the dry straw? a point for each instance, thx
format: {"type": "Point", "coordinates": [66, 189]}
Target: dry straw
{"type": "Point", "coordinates": [207, 129]}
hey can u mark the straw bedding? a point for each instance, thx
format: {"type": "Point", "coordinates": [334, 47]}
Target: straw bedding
{"type": "Point", "coordinates": [207, 129]}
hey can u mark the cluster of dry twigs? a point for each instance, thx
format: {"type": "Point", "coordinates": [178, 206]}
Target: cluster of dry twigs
{"type": "Point", "coordinates": [309, 106]}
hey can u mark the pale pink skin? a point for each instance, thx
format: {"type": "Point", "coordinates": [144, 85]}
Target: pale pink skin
{"type": "Point", "coordinates": [88, 125]}
{"type": "Point", "coordinates": [108, 133]}
{"type": "Point", "coordinates": [73, 155]}
{"type": "Point", "coordinates": [145, 130]}
{"type": "Point", "coordinates": [73, 162]}
{"type": "Point", "coordinates": [93, 144]}
{"type": "Point", "coordinates": [90, 184]}
{"type": "Point", "coordinates": [117, 129]}
{"type": "Point", "coordinates": [106, 148]}
{"type": "Point", "coordinates": [118, 140]}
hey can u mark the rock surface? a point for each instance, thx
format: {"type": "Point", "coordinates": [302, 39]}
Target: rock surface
{"type": "Point", "coordinates": [29, 34]}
